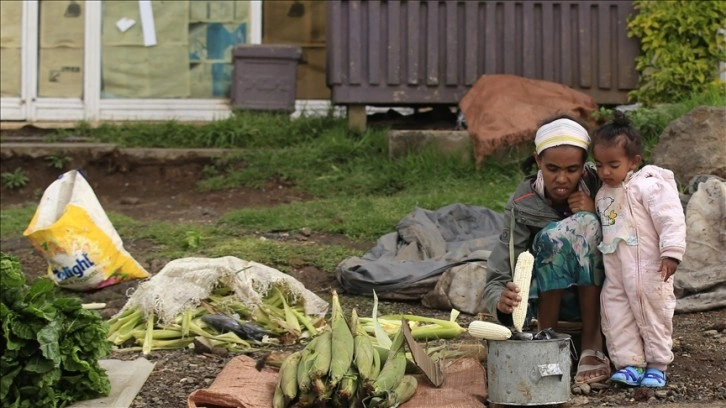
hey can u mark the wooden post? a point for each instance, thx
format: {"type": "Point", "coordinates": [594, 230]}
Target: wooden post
{"type": "Point", "coordinates": [356, 118]}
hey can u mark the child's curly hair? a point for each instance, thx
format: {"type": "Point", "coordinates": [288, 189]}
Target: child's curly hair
{"type": "Point", "coordinates": [620, 132]}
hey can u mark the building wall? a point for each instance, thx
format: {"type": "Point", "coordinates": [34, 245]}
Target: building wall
{"type": "Point", "coordinates": [431, 52]}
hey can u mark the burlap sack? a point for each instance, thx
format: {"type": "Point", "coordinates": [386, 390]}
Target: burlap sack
{"type": "Point", "coordinates": [504, 110]}
{"type": "Point", "coordinates": [238, 385]}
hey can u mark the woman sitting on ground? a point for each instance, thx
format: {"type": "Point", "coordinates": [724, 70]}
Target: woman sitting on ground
{"type": "Point", "coordinates": [552, 214]}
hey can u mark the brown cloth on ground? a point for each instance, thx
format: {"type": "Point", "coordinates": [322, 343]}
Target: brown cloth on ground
{"type": "Point", "coordinates": [504, 110]}
{"type": "Point", "coordinates": [240, 385]}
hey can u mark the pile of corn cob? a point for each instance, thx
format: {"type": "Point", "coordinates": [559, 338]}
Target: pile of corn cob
{"type": "Point", "coordinates": [284, 321]}
{"type": "Point", "coordinates": [342, 367]}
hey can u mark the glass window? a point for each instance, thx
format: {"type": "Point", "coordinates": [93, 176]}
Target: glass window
{"type": "Point", "coordinates": [11, 14]}
{"type": "Point", "coordinates": [177, 49]}
{"type": "Point", "coordinates": [60, 53]}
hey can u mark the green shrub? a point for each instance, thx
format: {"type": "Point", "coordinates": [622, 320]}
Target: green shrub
{"type": "Point", "coordinates": [681, 47]}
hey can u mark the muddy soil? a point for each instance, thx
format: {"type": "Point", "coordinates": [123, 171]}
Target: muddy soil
{"type": "Point", "coordinates": [166, 192]}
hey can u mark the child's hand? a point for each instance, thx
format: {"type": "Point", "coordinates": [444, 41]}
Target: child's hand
{"type": "Point", "coordinates": [667, 268]}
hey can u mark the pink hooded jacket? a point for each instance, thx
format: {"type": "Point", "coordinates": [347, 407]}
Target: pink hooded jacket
{"type": "Point", "coordinates": [642, 222]}
{"type": "Point", "coordinates": [646, 211]}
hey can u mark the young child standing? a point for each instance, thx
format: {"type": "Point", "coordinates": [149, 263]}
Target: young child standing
{"type": "Point", "coordinates": [644, 238]}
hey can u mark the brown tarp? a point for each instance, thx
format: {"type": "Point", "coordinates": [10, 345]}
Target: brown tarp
{"type": "Point", "coordinates": [240, 385]}
{"type": "Point", "coordinates": [504, 110]}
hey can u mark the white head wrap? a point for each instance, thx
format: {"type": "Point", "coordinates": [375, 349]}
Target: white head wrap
{"type": "Point", "coordinates": [561, 132]}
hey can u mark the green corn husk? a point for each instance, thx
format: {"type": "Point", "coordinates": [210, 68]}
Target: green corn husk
{"type": "Point", "coordinates": [278, 398]}
{"type": "Point", "coordinates": [186, 322]}
{"type": "Point", "coordinates": [292, 322]}
{"type": "Point", "coordinates": [405, 389]}
{"type": "Point", "coordinates": [324, 396]}
{"type": "Point", "coordinates": [171, 344]}
{"type": "Point", "coordinates": [422, 327]}
{"type": "Point", "coordinates": [321, 362]}
{"type": "Point", "coordinates": [342, 347]}
{"type": "Point", "coordinates": [306, 399]}
{"type": "Point", "coordinates": [304, 382]}
{"type": "Point", "coordinates": [366, 359]}
{"type": "Point", "coordinates": [149, 337]}
{"type": "Point", "coordinates": [394, 368]}
{"type": "Point", "coordinates": [347, 388]}
{"type": "Point", "coordinates": [287, 377]}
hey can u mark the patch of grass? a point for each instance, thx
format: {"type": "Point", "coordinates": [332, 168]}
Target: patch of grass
{"type": "Point", "coordinates": [178, 241]}
{"type": "Point", "coordinates": [15, 179]}
{"type": "Point", "coordinates": [285, 256]}
{"type": "Point", "coordinates": [367, 218]}
{"type": "Point", "coordinates": [13, 221]}
{"type": "Point", "coordinates": [241, 130]}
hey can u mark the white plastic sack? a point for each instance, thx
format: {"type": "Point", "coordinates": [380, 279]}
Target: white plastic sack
{"type": "Point", "coordinates": [184, 282]}
{"type": "Point", "coordinates": [73, 233]}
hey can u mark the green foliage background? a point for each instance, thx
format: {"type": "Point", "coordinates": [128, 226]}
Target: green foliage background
{"type": "Point", "coordinates": [681, 47]}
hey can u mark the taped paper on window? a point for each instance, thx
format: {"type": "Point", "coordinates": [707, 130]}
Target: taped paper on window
{"type": "Point", "coordinates": [73, 233]}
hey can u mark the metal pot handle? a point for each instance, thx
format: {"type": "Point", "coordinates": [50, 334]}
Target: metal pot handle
{"type": "Point", "coordinates": [546, 370]}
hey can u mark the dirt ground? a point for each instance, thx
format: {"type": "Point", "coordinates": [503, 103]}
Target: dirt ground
{"type": "Point", "coordinates": [165, 192]}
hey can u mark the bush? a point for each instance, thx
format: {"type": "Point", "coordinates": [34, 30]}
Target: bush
{"type": "Point", "coordinates": [681, 47]}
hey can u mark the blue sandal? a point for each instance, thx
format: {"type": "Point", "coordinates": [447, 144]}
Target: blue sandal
{"type": "Point", "coordinates": [653, 378]}
{"type": "Point", "coordinates": [629, 375]}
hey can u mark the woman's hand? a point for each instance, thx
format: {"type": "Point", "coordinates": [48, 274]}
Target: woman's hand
{"type": "Point", "coordinates": [579, 201]}
{"type": "Point", "coordinates": [509, 298]}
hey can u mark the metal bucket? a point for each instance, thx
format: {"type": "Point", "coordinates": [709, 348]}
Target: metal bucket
{"type": "Point", "coordinates": [535, 372]}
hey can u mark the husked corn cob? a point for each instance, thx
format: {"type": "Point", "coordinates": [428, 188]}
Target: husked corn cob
{"type": "Point", "coordinates": [342, 347]}
{"type": "Point", "coordinates": [287, 377]}
{"type": "Point", "coordinates": [394, 368]}
{"type": "Point", "coordinates": [522, 278]}
{"type": "Point", "coordinates": [489, 331]}
{"type": "Point", "coordinates": [405, 389]}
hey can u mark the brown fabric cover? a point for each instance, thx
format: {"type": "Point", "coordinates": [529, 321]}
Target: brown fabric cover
{"type": "Point", "coordinates": [504, 110]}
{"type": "Point", "coordinates": [240, 385]}
{"type": "Point", "coordinates": [465, 386]}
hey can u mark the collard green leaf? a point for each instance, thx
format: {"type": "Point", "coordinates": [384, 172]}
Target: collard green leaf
{"type": "Point", "coordinates": [22, 329]}
{"type": "Point", "coordinates": [48, 339]}
{"type": "Point", "coordinates": [6, 381]}
{"type": "Point", "coordinates": [51, 345]}
{"type": "Point", "coordinates": [39, 364]}
{"type": "Point", "coordinates": [40, 289]}
{"type": "Point", "coordinates": [12, 275]}
{"type": "Point", "coordinates": [67, 304]}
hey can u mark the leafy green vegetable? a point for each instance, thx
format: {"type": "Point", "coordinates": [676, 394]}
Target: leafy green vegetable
{"type": "Point", "coordinates": [51, 345]}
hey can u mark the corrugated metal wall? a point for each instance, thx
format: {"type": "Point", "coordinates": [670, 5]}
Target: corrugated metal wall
{"type": "Point", "coordinates": [431, 52]}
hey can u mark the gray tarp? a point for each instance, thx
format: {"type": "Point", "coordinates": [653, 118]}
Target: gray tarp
{"type": "Point", "coordinates": [406, 264]}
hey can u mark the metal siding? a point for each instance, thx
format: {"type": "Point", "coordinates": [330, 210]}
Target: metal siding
{"type": "Point", "coordinates": [432, 51]}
